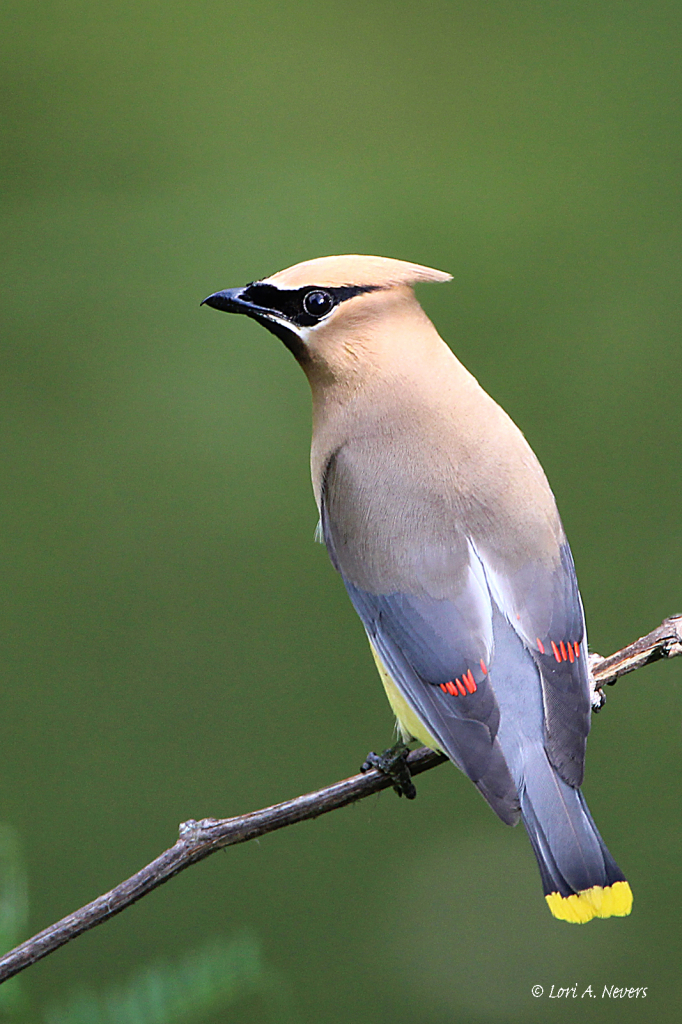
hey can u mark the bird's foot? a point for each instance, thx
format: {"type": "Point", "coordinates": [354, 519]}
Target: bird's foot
{"type": "Point", "coordinates": [597, 695]}
{"type": "Point", "coordinates": [598, 699]}
{"type": "Point", "coordinates": [393, 762]}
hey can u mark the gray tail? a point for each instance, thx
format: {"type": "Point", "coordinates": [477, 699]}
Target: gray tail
{"type": "Point", "coordinates": [580, 877]}
{"type": "Point", "coordinates": [571, 854]}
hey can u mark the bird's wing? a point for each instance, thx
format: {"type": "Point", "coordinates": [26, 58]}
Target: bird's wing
{"type": "Point", "coordinates": [434, 638]}
{"type": "Point", "coordinates": [436, 649]}
{"type": "Point", "coordinates": [543, 607]}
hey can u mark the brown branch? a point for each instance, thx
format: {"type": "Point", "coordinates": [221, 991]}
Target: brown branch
{"type": "Point", "coordinates": [198, 839]}
{"type": "Point", "coordinates": [663, 642]}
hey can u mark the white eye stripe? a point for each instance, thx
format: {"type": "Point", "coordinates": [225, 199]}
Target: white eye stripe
{"type": "Point", "coordinates": [302, 332]}
{"type": "Point", "coordinates": [305, 333]}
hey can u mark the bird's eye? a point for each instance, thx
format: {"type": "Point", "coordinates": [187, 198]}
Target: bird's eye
{"type": "Point", "coordinates": [317, 303]}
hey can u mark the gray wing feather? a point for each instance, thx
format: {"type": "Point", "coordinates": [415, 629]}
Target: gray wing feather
{"type": "Point", "coordinates": [543, 607]}
{"type": "Point", "coordinates": [425, 642]}
{"type": "Point", "coordinates": [465, 727]}
{"type": "Point", "coordinates": [426, 595]}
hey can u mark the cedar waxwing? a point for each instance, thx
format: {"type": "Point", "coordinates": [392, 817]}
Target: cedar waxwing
{"type": "Point", "coordinates": [441, 522]}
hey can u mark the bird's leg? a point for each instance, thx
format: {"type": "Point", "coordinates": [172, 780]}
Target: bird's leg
{"type": "Point", "coordinates": [393, 762]}
{"type": "Point", "coordinates": [597, 696]}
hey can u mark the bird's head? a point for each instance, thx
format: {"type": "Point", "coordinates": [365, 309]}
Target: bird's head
{"type": "Point", "coordinates": [334, 313]}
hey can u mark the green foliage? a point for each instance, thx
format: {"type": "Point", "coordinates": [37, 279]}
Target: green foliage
{"type": "Point", "coordinates": [210, 978]}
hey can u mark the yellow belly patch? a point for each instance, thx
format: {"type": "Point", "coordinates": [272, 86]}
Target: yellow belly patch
{"type": "Point", "coordinates": [599, 901]}
{"type": "Point", "coordinates": [411, 726]}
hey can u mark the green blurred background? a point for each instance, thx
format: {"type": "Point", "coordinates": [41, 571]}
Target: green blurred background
{"type": "Point", "coordinates": [172, 642]}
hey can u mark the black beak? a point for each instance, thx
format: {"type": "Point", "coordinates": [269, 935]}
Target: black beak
{"type": "Point", "coordinates": [235, 300]}
{"type": "Point", "coordinates": [229, 301]}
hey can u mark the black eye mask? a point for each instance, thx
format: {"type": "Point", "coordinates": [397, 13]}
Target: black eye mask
{"type": "Point", "coordinates": [303, 307]}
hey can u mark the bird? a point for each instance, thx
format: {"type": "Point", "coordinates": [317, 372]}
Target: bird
{"type": "Point", "coordinates": [438, 516]}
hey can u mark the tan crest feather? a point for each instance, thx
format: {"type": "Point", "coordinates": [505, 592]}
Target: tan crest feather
{"type": "Point", "coordinates": [337, 271]}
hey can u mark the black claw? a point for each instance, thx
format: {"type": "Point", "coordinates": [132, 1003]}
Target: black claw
{"type": "Point", "coordinates": [393, 762]}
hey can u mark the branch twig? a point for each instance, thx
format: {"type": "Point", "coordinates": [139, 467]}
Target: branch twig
{"type": "Point", "coordinates": [663, 642]}
{"type": "Point", "coordinates": [198, 839]}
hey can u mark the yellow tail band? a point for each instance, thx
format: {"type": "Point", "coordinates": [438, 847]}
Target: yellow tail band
{"type": "Point", "coordinates": [599, 901]}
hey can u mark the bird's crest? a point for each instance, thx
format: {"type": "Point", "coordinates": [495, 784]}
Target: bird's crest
{"type": "Point", "coordinates": [368, 271]}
